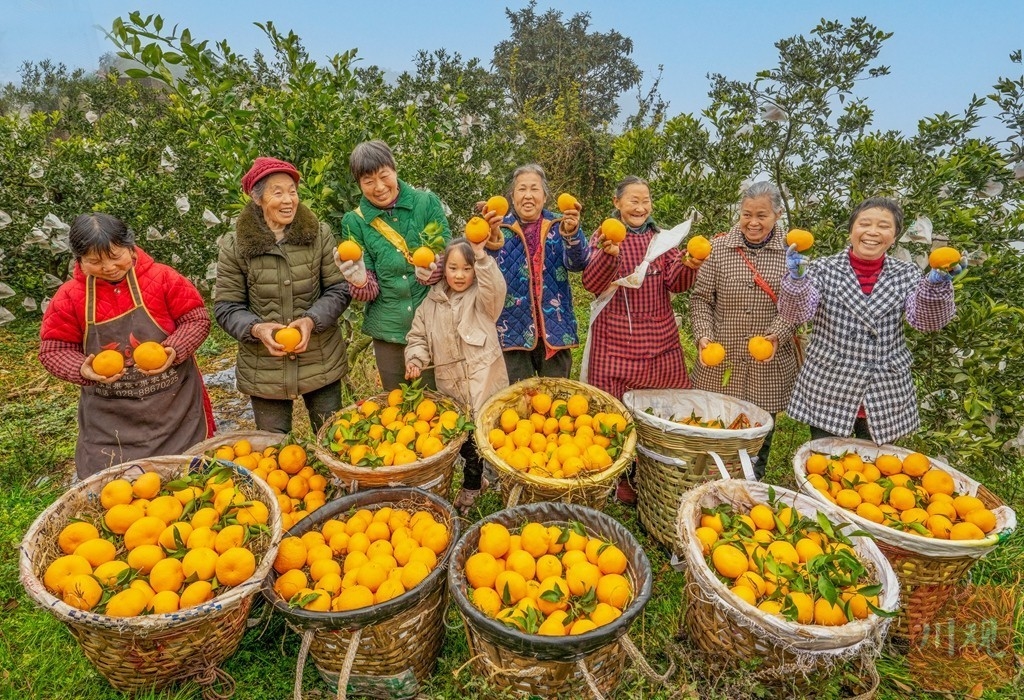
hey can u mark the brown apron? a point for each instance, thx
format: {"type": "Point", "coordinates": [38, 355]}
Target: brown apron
{"type": "Point", "coordinates": [136, 416]}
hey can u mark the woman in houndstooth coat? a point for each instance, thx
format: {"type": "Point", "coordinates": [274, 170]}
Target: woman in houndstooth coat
{"type": "Point", "coordinates": [734, 299]}
{"type": "Point", "coordinates": [856, 377]}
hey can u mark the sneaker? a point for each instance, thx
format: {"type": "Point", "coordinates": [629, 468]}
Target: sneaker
{"type": "Point", "coordinates": [467, 497]}
{"type": "Point", "coordinates": [625, 493]}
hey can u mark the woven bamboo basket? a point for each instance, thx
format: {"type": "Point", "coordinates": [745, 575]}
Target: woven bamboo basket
{"type": "Point", "coordinates": [152, 651]}
{"type": "Point", "coordinates": [519, 487]}
{"type": "Point", "coordinates": [733, 632]}
{"type": "Point", "coordinates": [386, 650]}
{"type": "Point", "coordinates": [551, 667]}
{"type": "Point", "coordinates": [674, 458]}
{"type": "Point", "coordinates": [432, 474]}
{"type": "Point", "coordinates": [928, 569]}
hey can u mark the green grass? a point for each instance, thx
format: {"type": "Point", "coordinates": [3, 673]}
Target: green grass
{"type": "Point", "coordinates": [40, 659]}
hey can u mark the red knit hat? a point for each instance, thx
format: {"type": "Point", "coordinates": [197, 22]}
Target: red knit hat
{"type": "Point", "coordinates": [262, 167]}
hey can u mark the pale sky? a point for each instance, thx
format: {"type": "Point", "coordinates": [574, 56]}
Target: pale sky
{"type": "Point", "coordinates": [942, 51]}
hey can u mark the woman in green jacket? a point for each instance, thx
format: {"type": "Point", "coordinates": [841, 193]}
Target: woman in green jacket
{"type": "Point", "coordinates": [278, 271]}
{"type": "Point", "coordinates": [392, 220]}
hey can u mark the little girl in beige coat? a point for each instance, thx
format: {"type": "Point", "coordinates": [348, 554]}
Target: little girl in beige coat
{"type": "Point", "coordinates": [454, 331]}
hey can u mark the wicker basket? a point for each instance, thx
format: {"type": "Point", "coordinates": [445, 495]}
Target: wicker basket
{"type": "Point", "coordinates": [519, 487]}
{"type": "Point", "coordinates": [928, 568]}
{"type": "Point", "coordinates": [389, 649]}
{"type": "Point", "coordinates": [151, 651]}
{"type": "Point", "coordinates": [732, 631]}
{"type": "Point", "coordinates": [674, 458]}
{"type": "Point", "coordinates": [551, 667]}
{"type": "Point", "coordinates": [259, 439]}
{"type": "Point", "coordinates": [431, 474]}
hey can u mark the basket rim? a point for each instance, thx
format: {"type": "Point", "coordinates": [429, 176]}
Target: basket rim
{"type": "Point", "coordinates": [891, 536]}
{"type": "Point", "coordinates": [370, 615]}
{"type": "Point", "coordinates": [146, 625]}
{"type": "Point", "coordinates": [601, 478]}
{"type": "Point", "coordinates": [634, 396]}
{"type": "Point", "coordinates": [343, 469]}
{"type": "Point", "coordinates": [231, 437]}
{"type": "Point", "coordinates": [552, 646]}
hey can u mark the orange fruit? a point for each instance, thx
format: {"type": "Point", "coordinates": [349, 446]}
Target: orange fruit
{"type": "Point", "coordinates": [939, 525]}
{"type": "Point", "coordinates": [195, 593]}
{"type": "Point", "coordinates": [108, 573]}
{"type": "Point", "coordinates": [75, 534]}
{"type": "Point", "coordinates": [936, 480]}
{"type": "Point", "coordinates": [498, 204]}
{"type": "Point", "coordinates": [826, 613]}
{"type": "Point", "coordinates": [477, 230]}
{"type": "Point", "coordinates": [760, 348]}
{"type": "Point", "coordinates": [147, 485]}
{"type": "Point", "coordinates": [494, 539]}
{"type": "Point", "coordinates": [349, 251]}
{"type": "Point", "coordinates": [235, 566]}
{"type": "Point", "coordinates": [107, 363]}
{"type": "Point", "coordinates": [128, 603]}
{"type": "Point", "coordinates": [966, 531]}
{"type": "Point", "coordinates": [566, 201]}
{"type": "Point", "coordinates": [698, 247]}
{"type": "Point", "coordinates": [889, 465]}
{"type": "Point", "coordinates": [288, 337]}
{"type": "Point", "coordinates": [165, 602]}
{"type": "Point", "coordinates": [82, 591]}
{"type": "Point", "coordinates": [902, 498]}
{"type": "Point", "coordinates": [166, 575]}
{"type": "Point", "coordinates": [729, 561]}
{"type": "Point", "coordinates": [713, 354]}
{"type": "Point", "coordinates": [146, 530]}
{"type": "Point", "coordinates": [943, 257]}
{"type": "Point", "coordinates": [200, 562]}
{"type": "Point", "coordinates": [983, 518]}
{"type": "Point", "coordinates": [801, 238]}
{"type": "Point", "coordinates": [614, 589]}
{"type": "Point", "coordinates": [120, 517]}
{"type": "Point", "coordinates": [613, 230]}
{"type": "Point", "coordinates": [62, 569]}
{"type": "Point", "coordinates": [965, 504]}
{"type": "Point", "coordinates": [916, 464]}
{"type": "Point", "coordinates": [291, 458]}
{"type": "Point", "coordinates": [290, 582]}
{"type": "Point", "coordinates": [611, 560]}
{"type": "Point", "coordinates": [118, 491]}
{"type": "Point", "coordinates": [352, 599]}
{"type": "Point", "coordinates": [149, 356]}
{"type": "Point", "coordinates": [423, 257]}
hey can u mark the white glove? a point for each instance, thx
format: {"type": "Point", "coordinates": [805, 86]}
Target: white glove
{"type": "Point", "coordinates": [423, 274]}
{"type": "Point", "coordinates": [354, 271]}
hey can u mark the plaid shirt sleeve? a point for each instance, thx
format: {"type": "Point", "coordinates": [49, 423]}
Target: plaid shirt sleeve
{"type": "Point", "coordinates": [63, 360]}
{"type": "Point", "coordinates": [678, 276]}
{"type": "Point", "coordinates": [192, 328]}
{"type": "Point", "coordinates": [798, 299]}
{"type": "Point", "coordinates": [600, 271]}
{"type": "Point", "coordinates": [369, 291]}
{"type": "Point", "coordinates": [930, 306]}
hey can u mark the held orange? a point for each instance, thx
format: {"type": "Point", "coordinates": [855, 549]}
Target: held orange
{"type": "Point", "coordinates": [802, 239]}
{"type": "Point", "coordinates": [698, 247]}
{"type": "Point", "coordinates": [943, 257]}
{"type": "Point", "coordinates": [477, 230]}
{"type": "Point", "coordinates": [567, 201]}
{"type": "Point", "coordinates": [423, 257]}
{"type": "Point", "coordinates": [349, 251]}
{"type": "Point", "coordinates": [497, 204]}
{"type": "Point", "coordinates": [149, 355]}
{"type": "Point", "coordinates": [713, 354]}
{"type": "Point", "coordinates": [107, 363]}
{"type": "Point", "coordinates": [613, 230]}
{"type": "Point", "coordinates": [288, 338]}
{"type": "Point", "coordinates": [760, 348]}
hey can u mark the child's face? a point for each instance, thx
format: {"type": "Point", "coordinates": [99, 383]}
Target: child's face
{"type": "Point", "coordinates": [458, 272]}
{"type": "Point", "coordinates": [634, 205]}
{"type": "Point", "coordinates": [872, 233]}
{"type": "Point", "coordinates": [112, 266]}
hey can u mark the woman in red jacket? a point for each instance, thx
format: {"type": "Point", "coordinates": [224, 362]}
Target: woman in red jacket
{"type": "Point", "coordinates": [118, 298]}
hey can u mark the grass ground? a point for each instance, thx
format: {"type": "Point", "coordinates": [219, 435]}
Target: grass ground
{"type": "Point", "coordinates": [40, 659]}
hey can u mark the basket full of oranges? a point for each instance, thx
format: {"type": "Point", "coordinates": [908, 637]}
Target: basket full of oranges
{"type": "Point", "coordinates": [931, 521]}
{"type": "Point", "coordinates": [554, 439]}
{"type": "Point", "coordinates": [153, 566]}
{"type": "Point", "coordinates": [409, 436]}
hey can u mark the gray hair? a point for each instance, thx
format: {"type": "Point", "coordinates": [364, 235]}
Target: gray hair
{"type": "Point", "coordinates": [258, 189]}
{"type": "Point", "coordinates": [764, 189]}
{"type": "Point", "coordinates": [369, 157]}
{"type": "Point", "coordinates": [627, 181]}
{"type": "Point", "coordinates": [533, 168]}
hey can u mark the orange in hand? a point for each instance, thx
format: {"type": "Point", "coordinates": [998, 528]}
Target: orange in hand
{"type": "Point", "coordinates": [349, 251]}
{"type": "Point", "coordinates": [288, 337]}
{"type": "Point", "coordinates": [613, 230]}
{"type": "Point", "coordinates": [944, 257]}
{"type": "Point", "coordinates": [149, 355]}
{"type": "Point", "coordinates": [698, 248]}
{"type": "Point", "coordinates": [108, 363]}
{"type": "Point", "coordinates": [760, 348]}
{"type": "Point", "coordinates": [423, 256]}
{"type": "Point", "coordinates": [498, 204]}
{"type": "Point", "coordinates": [477, 230]}
{"type": "Point", "coordinates": [713, 354]}
{"type": "Point", "coordinates": [567, 201]}
{"type": "Point", "coordinates": [802, 239]}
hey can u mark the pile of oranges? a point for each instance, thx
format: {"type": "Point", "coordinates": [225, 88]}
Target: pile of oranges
{"type": "Point", "coordinates": [410, 427]}
{"type": "Point", "coordinates": [550, 580]}
{"type": "Point", "coordinates": [366, 559]}
{"type": "Point", "coordinates": [785, 564]}
{"type": "Point", "coordinates": [158, 547]}
{"type": "Point", "coordinates": [299, 487]}
{"type": "Point", "coordinates": [558, 437]}
{"type": "Point", "coordinates": [909, 494]}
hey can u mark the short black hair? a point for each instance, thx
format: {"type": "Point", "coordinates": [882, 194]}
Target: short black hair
{"type": "Point", "coordinates": [890, 205]}
{"type": "Point", "coordinates": [99, 233]}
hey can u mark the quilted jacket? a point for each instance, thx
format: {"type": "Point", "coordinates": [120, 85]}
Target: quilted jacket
{"type": "Point", "coordinates": [518, 325]}
{"type": "Point", "coordinates": [259, 279]}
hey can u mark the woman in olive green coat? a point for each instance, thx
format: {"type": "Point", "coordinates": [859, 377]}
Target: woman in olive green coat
{"type": "Point", "coordinates": [278, 271]}
{"type": "Point", "coordinates": [392, 220]}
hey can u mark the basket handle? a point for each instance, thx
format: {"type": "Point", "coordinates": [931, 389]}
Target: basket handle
{"type": "Point", "coordinates": [747, 466]}
{"type": "Point", "coordinates": [638, 658]}
{"type": "Point", "coordinates": [300, 665]}
{"type": "Point", "coordinates": [720, 464]}
{"type": "Point", "coordinates": [513, 495]}
{"type": "Point", "coordinates": [581, 666]}
{"type": "Point", "coordinates": [346, 666]}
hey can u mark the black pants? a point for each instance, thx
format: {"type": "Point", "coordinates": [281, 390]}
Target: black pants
{"type": "Point", "coordinates": [474, 468]}
{"type": "Point", "coordinates": [275, 415]}
{"type": "Point", "coordinates": [860, 431]}
{"type": "Point", "coordinates": [523, 364]}
{"type": "Point", "coordinates": [390, 358]}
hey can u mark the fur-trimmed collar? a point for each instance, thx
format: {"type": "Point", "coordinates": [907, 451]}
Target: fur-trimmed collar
{"type": "Point", "coordinates": [253, 237]}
